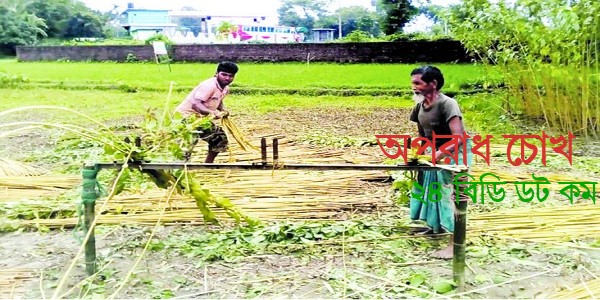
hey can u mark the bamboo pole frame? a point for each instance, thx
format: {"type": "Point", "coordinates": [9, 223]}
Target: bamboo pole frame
{"type": "Point", "coordinates": [458, 262]}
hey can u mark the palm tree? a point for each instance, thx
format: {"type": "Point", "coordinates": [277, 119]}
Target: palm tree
{"type": "Point", "coordinates": [225, 28]}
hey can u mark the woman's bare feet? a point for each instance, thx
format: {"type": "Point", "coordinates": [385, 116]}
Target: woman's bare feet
{"type": "Point", "coordinates": [446, 253]}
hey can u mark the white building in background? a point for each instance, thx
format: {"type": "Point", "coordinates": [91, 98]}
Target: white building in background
{"type": "Point", "coordinates": [144, 23]}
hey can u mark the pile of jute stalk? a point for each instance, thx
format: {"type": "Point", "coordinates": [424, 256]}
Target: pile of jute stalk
{"type": "Point", "coordinates": [238, 184]}
{"type": "Point", "coordinates": [550, 224]}
{"type": "Point", "coordinates": [9, 194]}
{"type": "Point", "coordinates": [145, 211]}
{"type": "Point", "coordinates": [286, 195]}
{"type": "Point", "coordinates": [19, 180]}
{"type": "Point", "coordinates": [584, 290]}
{"type": "Point", "coordinates": [10, 167]}
{"type": "Point", "coordinates": [45, 182]}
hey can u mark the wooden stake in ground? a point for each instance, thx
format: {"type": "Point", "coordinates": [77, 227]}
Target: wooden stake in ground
{"type": "Point", "coordinates": [460, 236]}
{"type": "Point", "coordinates": [88, 197]}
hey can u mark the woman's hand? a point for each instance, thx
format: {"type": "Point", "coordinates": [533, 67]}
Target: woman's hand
{"type": "Point", "coordinates": [439, 155]}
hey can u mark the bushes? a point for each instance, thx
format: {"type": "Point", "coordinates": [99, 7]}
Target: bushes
{"type": "Point", "coordinates": [158, 38]}
{"type": "Point", "coordinates": [357, 36]}
{"type": "Point", "coordinates": [7, 80]}
{"type": "Point", "coordinates": [404, 37]}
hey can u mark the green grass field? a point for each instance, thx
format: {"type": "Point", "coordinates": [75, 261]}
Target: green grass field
{"type": "Point", "coordinates": [115, 90]}
{"type": "Point", "coordinates": [282, 75]}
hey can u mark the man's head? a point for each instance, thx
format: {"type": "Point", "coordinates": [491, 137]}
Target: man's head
{"type": "Point", "coordinates": [226, 71]}
{"type": "Point", "coordinates": [426, 80]}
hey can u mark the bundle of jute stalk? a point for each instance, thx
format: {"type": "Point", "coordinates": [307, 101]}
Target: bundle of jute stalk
{"type": "Point", "coordinates": [46, 182]}
{"type": "Point", "coordinates": [146, 209]}
{"type": "Point", "coordinates": [558, 224]}
{"type": "Point", "coordinates": [237, 134]}
{"type": "Point", "coordinates": [35, 187]}
{"type": "Point", "coordinates": [10, 167]}
{"type": "Point", "coordinates": [585, 290]}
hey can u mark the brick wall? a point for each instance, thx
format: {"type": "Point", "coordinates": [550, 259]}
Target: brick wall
{"type": "Point", "coordinates": [398, 52]}
{"type": "Point", "coordinates": [83, 53]}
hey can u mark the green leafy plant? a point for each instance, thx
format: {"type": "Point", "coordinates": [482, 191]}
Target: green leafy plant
{"type": "Point", "coordinates": [357, 36]}
{"type": "Point", "coordinates": [224, 29]}
{"type": "Point", "coordinates": [239, 242]}
{"type": "Point", "coordinates": [549, 53]}
{"type": "Point", "coordinates": [131, 58]}
{"type": "Point", "coordinates": [159, 37]}
{"type": "Point", "coordinates": [165, 135]}
{"type": "Point", "coordinates": [8, 80]}
{"type": "Point", "coordinates": [402, 186]}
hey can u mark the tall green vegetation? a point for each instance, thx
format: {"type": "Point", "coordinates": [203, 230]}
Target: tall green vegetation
{"type": "Point", "coordinates": [549, 52]}
{"type": "Point", "coordinates": [395, 14]}
{"type": "Point", "coordinates": [24, 22]}
{"type": "Point", "coordinates": [352, 18]}
{"type": "Point", "coordinates": [225, 29]}
{"type": "Point", "coordinates": [301, 13]}
{"type": "Point", "coordinates": [68, 18]}
{"type": "Point", "coordinates": [18, 26]}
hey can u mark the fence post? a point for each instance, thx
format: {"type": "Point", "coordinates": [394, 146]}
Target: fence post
{"type": "Point", "coordinates": [460, 236]}
{"type": "Point", "coordinates": [89, 194]}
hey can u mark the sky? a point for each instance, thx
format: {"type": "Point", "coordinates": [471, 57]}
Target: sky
{"type": "Point", "coordinates": [232, 7]}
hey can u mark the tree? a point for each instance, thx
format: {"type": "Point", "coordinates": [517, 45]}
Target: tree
{"type": "Point", "coordinates": [54, 13]}
{"type": "Point", "coordinates": [17, 27]}
{"type": "Point", "coordinates": [301, 13]}
{"type": "Point", "coordinates": [438, 14]}
{"type": "Point", "coordinates": [395, 14]}
{"type": "Point", "coordinates": [353, 18]}
{"type": "Point", "coordinates": [225, 28]}
{"type": "Point", "coordinates": [84, 24]}
{"type": "Point", "coordinates": [113, 27]}
{"type": "Point", "coordinates": [68, 18]}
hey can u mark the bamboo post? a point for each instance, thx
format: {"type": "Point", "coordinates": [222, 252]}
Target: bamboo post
{"type": "Point", "coordinates": [263, 151]}
{"type": "Point", "coordinates": [460, 234]}
{"type": "Point", "coordinates": [88, 197]}
{"type": "Point", "coordinates": [275, 151]}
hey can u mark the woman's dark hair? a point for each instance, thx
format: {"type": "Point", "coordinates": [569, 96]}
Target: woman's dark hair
{"type": "Point", "coordinates": [429, 74]}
